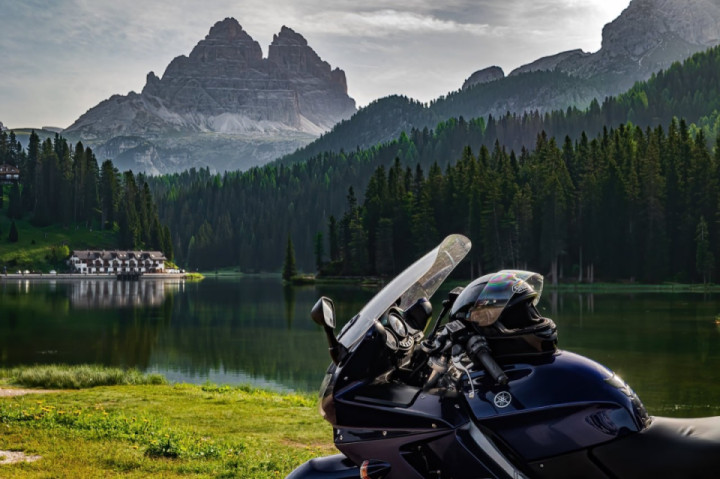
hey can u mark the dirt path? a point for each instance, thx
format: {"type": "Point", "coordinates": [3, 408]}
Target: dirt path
{"type": "Point", "coordinates": [9, 392]}
{"type": "Point", "coordinates": [11, 457]}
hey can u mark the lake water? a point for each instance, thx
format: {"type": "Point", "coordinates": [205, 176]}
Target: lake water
{"type": "Point", "coordinates": [255, 330]}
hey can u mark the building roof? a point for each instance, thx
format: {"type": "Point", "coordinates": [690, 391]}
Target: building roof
{"type": "Point", "coordinates": [92, 255]}
{"type": "Point", "coordinates": [9, 170]}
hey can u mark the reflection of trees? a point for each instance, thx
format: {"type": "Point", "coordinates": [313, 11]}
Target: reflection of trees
{"type": "Point", "coordinates": [666, 347]}
{"type": "Point", "coordinates": [243, 327]}
{"type": "Point", "coordinates": [289, 300]}
{"type": "Point", "coordinates": [49, 330]}
{"type": "Point", "coordinates": [233, 326]}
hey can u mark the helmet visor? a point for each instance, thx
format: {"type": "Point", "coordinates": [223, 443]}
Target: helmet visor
{"type": "Point", "coordinates": [499, 290]}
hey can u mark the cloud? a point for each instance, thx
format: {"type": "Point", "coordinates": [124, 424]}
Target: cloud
{"type": "Point", "coordinates": [65, 56]}
{"type": "Point", "coordinates": [386, 22]}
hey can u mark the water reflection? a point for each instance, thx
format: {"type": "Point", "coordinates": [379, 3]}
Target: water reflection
{"type": "Point", "coordinates": [667, 346]}
{"type": "Point", "coordinates": [105, 294]}
{"type": "Point", "coordinates": [227, 331]}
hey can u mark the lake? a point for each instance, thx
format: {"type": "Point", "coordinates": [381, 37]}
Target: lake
{"type": "Point", "coordinates": [255, 330]}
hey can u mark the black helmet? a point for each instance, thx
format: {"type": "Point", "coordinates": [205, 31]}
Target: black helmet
{"type": "Point", "coordinates": [490, 298]}
{"type": "Point", "coordinates": [501, 306]}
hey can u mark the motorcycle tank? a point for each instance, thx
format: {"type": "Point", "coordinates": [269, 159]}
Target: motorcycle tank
{"type": "Point", "coordinates": [558, 405]}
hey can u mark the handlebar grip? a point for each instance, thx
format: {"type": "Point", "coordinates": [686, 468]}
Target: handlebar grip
{"type": "Point", "coordinates": [492, 367]}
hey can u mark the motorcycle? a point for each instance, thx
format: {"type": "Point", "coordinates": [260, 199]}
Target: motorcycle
{"type": "Point", "coordinates": [486, 393]}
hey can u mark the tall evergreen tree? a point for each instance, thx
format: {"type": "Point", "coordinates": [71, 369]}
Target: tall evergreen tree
{"type": "Point", "coordinates": [704, 258]}
{"type": "Point", "coordinates": [13, 235]}
{"type": "Point", "coordinates": [289, 266]}
{"type": "Point", "coordinates": [319, 251]}
{"type": "Point", "coordinates": [333, 239]}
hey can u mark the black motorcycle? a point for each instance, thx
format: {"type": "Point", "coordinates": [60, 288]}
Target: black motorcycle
{"type": "Point", "coordinates": [483, 392]}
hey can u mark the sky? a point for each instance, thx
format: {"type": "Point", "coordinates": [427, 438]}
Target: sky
{"type": "Point", "coordinates": [59, 58]}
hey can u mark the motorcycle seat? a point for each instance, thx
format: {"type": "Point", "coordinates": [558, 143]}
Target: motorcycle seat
{"type": "Point", "coordinates": [668, 447]}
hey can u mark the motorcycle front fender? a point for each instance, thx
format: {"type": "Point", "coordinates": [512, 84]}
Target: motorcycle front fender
{"type": "Point", "coordinates": [329, 467]}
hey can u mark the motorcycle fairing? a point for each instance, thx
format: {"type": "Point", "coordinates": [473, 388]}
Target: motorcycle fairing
{"type": "Point", "coordinates": [558, 406]}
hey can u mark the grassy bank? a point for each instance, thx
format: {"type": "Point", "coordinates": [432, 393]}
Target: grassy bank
{"type": "Point", "coordinates": [159, 430]}
{"type": "Point", "coordinates": [34, 248]}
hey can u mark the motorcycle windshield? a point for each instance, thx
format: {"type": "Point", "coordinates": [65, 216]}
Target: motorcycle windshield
{"type": "Point", "coordinates": [421, 279]}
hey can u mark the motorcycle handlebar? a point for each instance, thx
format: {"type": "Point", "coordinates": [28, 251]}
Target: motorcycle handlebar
{"type": "Point", "coordinates": [477, 347]}
{"type": "Point", "coordinates": [493, 368]}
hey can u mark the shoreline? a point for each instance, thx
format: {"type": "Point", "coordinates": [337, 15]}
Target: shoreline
{"type": "Point", "coordinates": [76, 276]}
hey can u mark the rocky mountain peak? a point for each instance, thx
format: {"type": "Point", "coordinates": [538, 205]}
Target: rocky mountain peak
{"type": "Point", "coordinates": [228, 41]}
{"type": "Point", "coordinates": [649, 35]}
{"type": "Point", "coordinates": [485, 75]}
{"type": "Point", "coordinates": [288, 37]}
{"type": "Point", "coordinates": [223, 86]}
{"type": "Point", "coordinates": [645, 25]}
{"type": "Point", "coordinates": [227, 30]}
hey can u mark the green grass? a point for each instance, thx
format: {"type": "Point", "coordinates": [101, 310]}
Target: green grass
{"type": "Point", "coordinates": [34, 247]}
{"type": "Point", "coordinates": [162, 431]}
{"type": "Point", "coordinates": [76, 377]}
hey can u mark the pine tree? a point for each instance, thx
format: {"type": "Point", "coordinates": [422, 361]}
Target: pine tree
{"type": "Point", "coordinates": [333, 239]}
{"type": "Point", "coordinates": [14, 204]}
{"type": "Point", "coordinates": [166, 243]}
{"type": "Point", "coordinates": [289, 266]}
{"type": "Point", "coordinates": [13, 236]}
{"type": "Point", "coordinates": [319, 251]}
{"type": "Point", "coordinates": [704, 259]}
{"type": "Point", "coordinates": [110, 191]}
{"type": "Point", "coordinates": [28, 173]}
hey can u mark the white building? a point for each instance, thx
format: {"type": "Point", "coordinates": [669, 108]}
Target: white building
{"type": "Point", "coordinates": [9, 174]}
{"type": "Point", "coordinates": [114, 262]}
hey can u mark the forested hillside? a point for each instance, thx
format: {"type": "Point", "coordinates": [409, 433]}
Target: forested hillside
{"type": "Point", "coordinates": [384, 119]}
{"type": "Point", "coordinates": [243, 219]}
{"type": "Point", "coordinates": [630, 203]}
{"type": "Point", "coordinates": [63, 185]}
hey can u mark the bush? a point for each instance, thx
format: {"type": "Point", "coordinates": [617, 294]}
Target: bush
{"type": "Point", "coordinates": [77, 377]}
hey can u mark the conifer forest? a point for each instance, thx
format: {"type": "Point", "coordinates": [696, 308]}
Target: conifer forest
{"type": "Point", "coordinates": [63, 185]}
{"type": "Point", "coordinates": [627, 189]}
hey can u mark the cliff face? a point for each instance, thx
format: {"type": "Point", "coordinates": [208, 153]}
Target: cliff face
{"type": "Point", "coordinates": [224, 87]}
{"type": "Point", "coordinates": [485, 75]}
{"type": "Point", "coordinates": [649, 35]}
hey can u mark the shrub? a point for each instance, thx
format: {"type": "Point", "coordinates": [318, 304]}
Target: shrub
{"type": "Point", "coordinates": [77, 377]}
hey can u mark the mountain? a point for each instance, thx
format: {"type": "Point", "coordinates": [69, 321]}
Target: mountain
{"type": "Point", "coordinates": [484, 76]}
{"type": "Point", "coordinates": [223, 106]}
{"type": "Point", "coordinates": [244, 218]}
{"type": "Point", "coordinates": [649, 35]}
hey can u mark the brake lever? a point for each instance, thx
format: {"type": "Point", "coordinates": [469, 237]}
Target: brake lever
{"type": "Point", "coordinates": [457, 354]}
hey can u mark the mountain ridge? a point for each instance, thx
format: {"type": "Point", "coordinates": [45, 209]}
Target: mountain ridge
{"type": "Point", "coordinates": [224, 87]}
{"type": "Point", "coordinates": [648, 36]}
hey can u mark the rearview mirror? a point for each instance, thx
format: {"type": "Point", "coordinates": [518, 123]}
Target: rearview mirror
{"type": "Point", "coordinates": [323, 313]}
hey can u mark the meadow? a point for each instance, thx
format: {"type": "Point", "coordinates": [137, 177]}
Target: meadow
{"type": "Point", "coordinates": [140, 426]}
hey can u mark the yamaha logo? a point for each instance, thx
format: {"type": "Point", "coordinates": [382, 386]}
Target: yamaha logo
{"type": "Point", "coordinates": [503, 399]}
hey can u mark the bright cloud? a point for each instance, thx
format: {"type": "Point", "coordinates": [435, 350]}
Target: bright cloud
{"type": "Point", "coordinates": [386, 22]}
{"type": "Point", "coordinates": [61, 58]}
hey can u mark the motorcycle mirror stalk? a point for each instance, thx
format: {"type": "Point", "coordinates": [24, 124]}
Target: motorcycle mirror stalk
{"type": "Point", "coordinates": [323, 313]}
